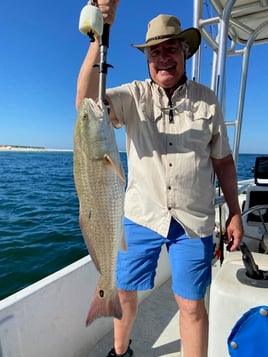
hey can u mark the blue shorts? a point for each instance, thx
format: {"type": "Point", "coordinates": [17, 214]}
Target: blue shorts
{"type": "Point", "coordinates": [190, 260]}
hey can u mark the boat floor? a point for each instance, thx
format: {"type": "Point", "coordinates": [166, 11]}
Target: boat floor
{"type": "Point", "coordinates": [155, 332]}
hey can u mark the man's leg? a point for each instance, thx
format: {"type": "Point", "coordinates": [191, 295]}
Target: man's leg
{"type": "Point", "coordinates": [123, 327]}
{"type": "Point", "coordinates": [193, 327]}
{"type": "Point", "coordinates": [135, 271]}
{"type": "Point", "coordinates": [191, 275]}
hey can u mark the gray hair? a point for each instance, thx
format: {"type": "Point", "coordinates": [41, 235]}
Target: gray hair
{"type": "Point", "coordinates": [185, 47]}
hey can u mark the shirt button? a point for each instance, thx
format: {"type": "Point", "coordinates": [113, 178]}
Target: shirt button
{"type": "Point", "coordinates": [170, 165]}
{"type": "Point", "coordinates": [169, 187]}
{"type": "Point", "coordinates": [170, 144]}
{"type": "Point", "coordinates": [169, 208]}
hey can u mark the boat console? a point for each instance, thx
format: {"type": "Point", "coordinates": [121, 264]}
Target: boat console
{"type": "Point", "coordinates": [255, 210]}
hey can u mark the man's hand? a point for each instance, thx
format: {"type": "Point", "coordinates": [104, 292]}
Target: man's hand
{"type": "Point", "coordinates": [234, 232]}
{"type": "Point", "coordinates": [108, 9]}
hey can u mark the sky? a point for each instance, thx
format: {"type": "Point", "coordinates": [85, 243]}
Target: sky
{"type": "Point", "coordinates": [42, 51]}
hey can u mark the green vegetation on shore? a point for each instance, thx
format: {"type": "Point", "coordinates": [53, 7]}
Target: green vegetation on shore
{"type": "Point", "coordinates": [23, 147]}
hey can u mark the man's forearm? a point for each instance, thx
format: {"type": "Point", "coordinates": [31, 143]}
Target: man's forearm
{"type": "Point", "coordinates": [226, 173]}
{"type": "Point", "coordinates": [88, 78]}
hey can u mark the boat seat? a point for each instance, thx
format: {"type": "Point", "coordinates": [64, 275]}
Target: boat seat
{"type": "Point", "coordinates": [249, 334]}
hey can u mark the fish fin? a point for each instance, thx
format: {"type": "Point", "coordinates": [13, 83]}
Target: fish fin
{"type": "Point", "coordinates": [101, 306]}
{"type": "Point", "coordinates": [119, 171]}
{"type": "Point", "coordinates": [88, 242]}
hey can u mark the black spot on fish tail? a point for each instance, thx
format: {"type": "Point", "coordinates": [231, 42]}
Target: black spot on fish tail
{"type": "Point", "coordinates": [104, 307]}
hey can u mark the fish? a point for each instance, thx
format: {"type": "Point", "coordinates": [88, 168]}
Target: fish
{"type": "Point", "coordinates": [100, 185]}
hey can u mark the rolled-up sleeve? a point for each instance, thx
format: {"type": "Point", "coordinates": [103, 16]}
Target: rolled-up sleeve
{"type": "Point", "coordinates": [121, 101]}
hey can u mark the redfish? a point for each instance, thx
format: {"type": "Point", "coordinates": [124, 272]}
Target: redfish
{"type": "Point", "coordinates": [100, 185]}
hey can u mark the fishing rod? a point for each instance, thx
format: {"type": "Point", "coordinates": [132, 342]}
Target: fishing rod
{"type": "Point", "coordinates": [91, 23]}
{"type": "Point", "coordinates": [103, 65]}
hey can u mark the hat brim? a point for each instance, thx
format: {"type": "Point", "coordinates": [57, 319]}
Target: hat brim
{"type": "Point", "coordinates": [191, 36]}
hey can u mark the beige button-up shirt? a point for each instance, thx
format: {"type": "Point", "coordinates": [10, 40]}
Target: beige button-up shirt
{"type": "Point", "coordinates": [170, 144]}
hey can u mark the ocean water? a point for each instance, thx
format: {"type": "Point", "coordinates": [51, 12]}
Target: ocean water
{"type": "Point", "coordinates": [39, 227]}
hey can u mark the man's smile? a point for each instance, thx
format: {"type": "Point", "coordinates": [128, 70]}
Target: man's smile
{"type": "Point", "coordinates": [166, 69]}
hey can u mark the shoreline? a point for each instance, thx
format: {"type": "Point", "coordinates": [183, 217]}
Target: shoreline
{"type": "Point", "coordinates": [31, 149]}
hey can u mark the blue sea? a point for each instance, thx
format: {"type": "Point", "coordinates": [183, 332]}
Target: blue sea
{"type": "Point", "coordinates": [39, 227]}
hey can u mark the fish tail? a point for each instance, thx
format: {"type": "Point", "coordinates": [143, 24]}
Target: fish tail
{"type": "Point", "coordinates": [101, 306]}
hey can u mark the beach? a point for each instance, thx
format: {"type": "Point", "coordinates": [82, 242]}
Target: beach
{"type": "Point", "coordinates": [30, 148]}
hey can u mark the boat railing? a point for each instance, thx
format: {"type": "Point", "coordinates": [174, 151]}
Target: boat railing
{"type": "Point", "coordinates": [237, 26]}
{"type": "Point", "coordinates": [220, 200]}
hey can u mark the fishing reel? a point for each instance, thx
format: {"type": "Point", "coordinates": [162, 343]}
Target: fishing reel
{"type": "Point", "coordinates": [91, 21]}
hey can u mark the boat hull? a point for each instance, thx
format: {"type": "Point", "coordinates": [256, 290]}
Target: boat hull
{"type": "Point", "coordinates": [48, 317]}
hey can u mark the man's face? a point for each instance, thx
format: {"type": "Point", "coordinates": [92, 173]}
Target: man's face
{"type": "Point", "coordinates": [166, 63]}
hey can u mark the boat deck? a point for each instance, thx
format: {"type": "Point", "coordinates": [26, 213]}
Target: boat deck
{"type": "Point", "coordinates": [156, 329]}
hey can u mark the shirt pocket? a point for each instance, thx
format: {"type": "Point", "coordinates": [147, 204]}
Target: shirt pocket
{"type": "Point", "coordinates": [149, 112]}
{"type": "Point", "coordinates": [201, 124]}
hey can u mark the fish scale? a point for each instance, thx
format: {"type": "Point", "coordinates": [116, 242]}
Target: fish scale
{"type": "Point", "coordinates": [100, 184]}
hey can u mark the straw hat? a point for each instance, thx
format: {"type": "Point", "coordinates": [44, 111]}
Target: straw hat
{"type": "Point", "coordinates": [167, 27]}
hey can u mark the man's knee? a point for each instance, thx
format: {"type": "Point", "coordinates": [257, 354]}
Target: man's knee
{"type": "Point", "coordinates": [194, 309]}
{"type": "Point", "coordinates": [127, 297]}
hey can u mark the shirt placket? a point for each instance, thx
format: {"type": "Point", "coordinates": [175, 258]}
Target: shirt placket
{"type": "Point", "coordinates": [169, 118]}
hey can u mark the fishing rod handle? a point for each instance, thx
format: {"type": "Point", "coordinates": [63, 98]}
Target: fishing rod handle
{"type": "Point", "coordinates": [105, 35]}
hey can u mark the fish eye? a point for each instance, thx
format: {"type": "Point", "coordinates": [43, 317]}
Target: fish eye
{"type": "Point", "coordinates": [85, 116]}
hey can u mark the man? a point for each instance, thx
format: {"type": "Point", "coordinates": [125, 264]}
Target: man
{"type": "Point", "coordinates": [176, 140]}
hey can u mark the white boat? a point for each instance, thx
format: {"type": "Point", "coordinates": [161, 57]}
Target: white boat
{"type": "Point", "coordinates": [48, 317]}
